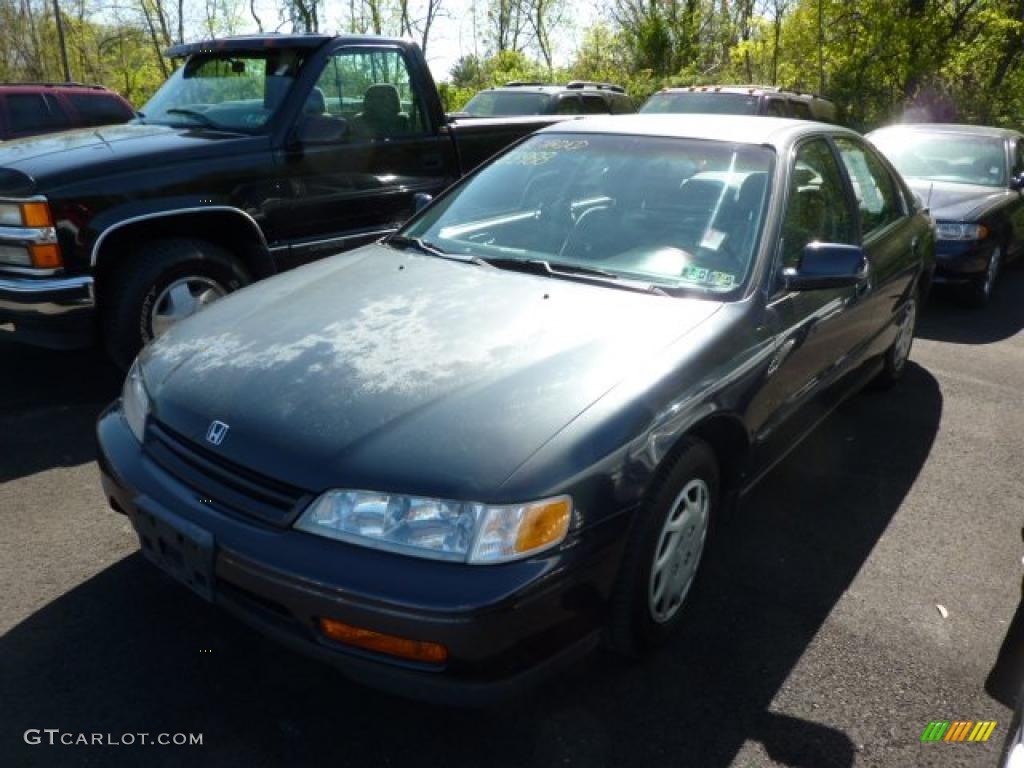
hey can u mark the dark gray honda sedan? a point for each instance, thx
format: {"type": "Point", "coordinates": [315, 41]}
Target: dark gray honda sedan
{"type": "Point", "coordinates": [448, 461]}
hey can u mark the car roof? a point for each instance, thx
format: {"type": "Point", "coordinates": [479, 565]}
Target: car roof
{"type": "Point", "coordinates": [50, 87]}
{"type": "Point", "coordinates": [554, 89]}
{"type": "Point", "coordinates": [740, 129]}
{"type": "Point", "coordinates": [973, 130]}
{"type": "Point", "coordinates": [746, 90]}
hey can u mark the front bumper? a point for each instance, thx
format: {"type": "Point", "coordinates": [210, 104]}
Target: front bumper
{"type": "Point", "coordinates": [55, 312]}
{"type": "Point", "coordinates": [504, 626]}
{"type": "Point", "coordinates": [959, 263]}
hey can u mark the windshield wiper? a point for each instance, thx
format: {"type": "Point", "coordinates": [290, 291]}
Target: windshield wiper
{"type": "Point", "coordinates": [423, 246]}
{"type": "Point", "coordinates": [557, 268]}
{"type": "Point", "coordinates": [205, 120]}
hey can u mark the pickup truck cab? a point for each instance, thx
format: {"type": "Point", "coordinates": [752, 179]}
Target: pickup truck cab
{"type": "Point", "coordinates": [258, 154]}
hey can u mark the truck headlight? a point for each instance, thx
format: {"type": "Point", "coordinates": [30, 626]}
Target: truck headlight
{"type": "Point", "coordinates": [31, 213]}
{"type": "Point", "coordinates": [462, 531]}
{"type": "Point", "coordinates": [957, 230]}
{"type": "Point", "coordinates": [135, 401]}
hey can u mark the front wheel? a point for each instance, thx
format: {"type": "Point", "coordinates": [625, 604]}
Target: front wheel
{"type": "Point", "coordinates": [980, 291]}
{"type": "Point", "coordinates": [666, 548]}
{"type": "Point", "coordinates": [167, 281]}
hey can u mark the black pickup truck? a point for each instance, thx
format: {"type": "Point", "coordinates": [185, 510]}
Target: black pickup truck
{"type": "Point", "coordinates": [258, 154]}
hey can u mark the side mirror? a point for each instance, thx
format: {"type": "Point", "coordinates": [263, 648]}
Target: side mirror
{"type": "Point", "coordinates": [827, 265]}
{"type": "Point", "coordinates": [318, 130]}
{"type": "Point", "coordinates": [420, 201]}
{"type": "Point", "coordinates": [1017, 182]}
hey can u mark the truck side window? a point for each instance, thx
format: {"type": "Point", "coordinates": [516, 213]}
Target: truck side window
{"type": "Point", "coordinates": [372, 90]}
{"type": "Point", "coordinates": [776, 108]}
{"type": "Point", "coordinates": [568, 105]}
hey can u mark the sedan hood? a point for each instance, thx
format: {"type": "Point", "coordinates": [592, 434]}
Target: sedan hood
{"type": "Point", "coordinates": [955, 202]}
{"type": "Point", "coordinates": [389, 370]}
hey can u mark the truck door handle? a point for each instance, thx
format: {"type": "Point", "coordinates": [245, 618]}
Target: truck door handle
{"type": "Point", "coordinates": [433, 163]}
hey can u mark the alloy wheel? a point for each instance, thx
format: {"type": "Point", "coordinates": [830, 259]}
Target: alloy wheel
{"type": "Point", "coordinates": [182, 298]}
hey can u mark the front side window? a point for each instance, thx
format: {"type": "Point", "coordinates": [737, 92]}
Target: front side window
{"type": "Point", "coordinates": [873, 186]}
{"type": "Point", "coordinates": [677, 213]}
{"type": "Point", "coordinates": [371, 90]}
{"type": "Point", "coordinates": [945, 156]}
{"type": "Point", "coordinates": [236, 92]}
{"type": "Point", "coordinates": [818, 209]}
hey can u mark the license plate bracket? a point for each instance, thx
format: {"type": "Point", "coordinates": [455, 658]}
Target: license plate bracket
{"type": "Point", "coordinates": [178, 547]}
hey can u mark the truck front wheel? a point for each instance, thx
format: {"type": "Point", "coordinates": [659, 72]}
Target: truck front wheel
{"type": "Point", "coordinates": [160, 285]}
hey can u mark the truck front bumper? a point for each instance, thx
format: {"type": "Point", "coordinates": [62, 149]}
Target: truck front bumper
{"type": "Point", "coordinates": [55, 312]}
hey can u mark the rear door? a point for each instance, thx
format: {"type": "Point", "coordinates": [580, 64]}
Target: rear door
{"type": "Point", "coordinates": [357, 186]}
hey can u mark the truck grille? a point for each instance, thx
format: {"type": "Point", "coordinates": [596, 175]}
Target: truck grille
{"type": "Point", "coordinates": [223, 484]}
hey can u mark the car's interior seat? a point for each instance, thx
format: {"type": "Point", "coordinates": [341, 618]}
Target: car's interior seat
{"type": "Point", "coordinates": [738, 217]}
{"type": "Point", "coordinates": [316, 103]}
{"type": "Point", "coordinates": [381, 116]}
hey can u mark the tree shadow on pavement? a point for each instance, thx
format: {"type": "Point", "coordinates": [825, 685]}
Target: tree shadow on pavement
{"type": "Point", "coordinates": [947, 319]}
{"type": "Point", "coordinates": [49, 401]}
{"type": "Point", "coordinates": [126, 652]}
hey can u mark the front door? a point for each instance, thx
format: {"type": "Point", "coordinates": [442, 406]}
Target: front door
{"type": "Point", "coordinates": [354, 177]}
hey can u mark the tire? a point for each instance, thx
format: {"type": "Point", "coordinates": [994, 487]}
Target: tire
{"type": "Point", "coordinates": [895, 361]}
{"type": "Point", "coordinates": [139, 302]}
{"type": "Point", "coordinates": [979, 292]}
{"type": "Point", "coordinates": [638, 622]}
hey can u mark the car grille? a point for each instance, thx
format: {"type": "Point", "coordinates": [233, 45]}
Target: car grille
{"type": "Point", "coordinates": [222, 484]}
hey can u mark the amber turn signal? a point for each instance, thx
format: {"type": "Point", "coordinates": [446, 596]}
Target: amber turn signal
{"type": "Point", "coordinates": [543, 524]}
{"type": "Point", "coordinates": [36, 215]}
{"type": "Point", "coordinates": [46, 256]}
{"type": "Point", "coordinates": [403, 648]}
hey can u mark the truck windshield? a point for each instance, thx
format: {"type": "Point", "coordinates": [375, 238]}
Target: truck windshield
{"type": "Point", "coordinates": [702, 103]}
{"type": "Point", "coordinates": [677, 214]}
{"type": "Point", "coordinates": [232, 91]}
{"type": "Point", "coordinates": [504, 103]}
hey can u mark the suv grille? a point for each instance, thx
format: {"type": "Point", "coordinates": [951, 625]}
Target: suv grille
{"type": "Point", "coordinates": [228, 486]}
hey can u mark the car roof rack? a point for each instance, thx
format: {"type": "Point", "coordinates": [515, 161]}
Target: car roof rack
{"type": "Point", "coordinates": [521, 83]}
{"type": "Point", "coordinates": [576, 84]}
{"type": "Point", "coordinates": [57, 84]}
{"type": "Point", "coordinates": [751, 88]}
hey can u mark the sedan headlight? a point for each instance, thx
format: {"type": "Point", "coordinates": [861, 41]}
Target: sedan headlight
{"type": "Point", "coordinates": [957, 230]}
{"type": "Point", "coordinates": [135, 402]}
{"type": "Point", "coordinates": [463, 531]}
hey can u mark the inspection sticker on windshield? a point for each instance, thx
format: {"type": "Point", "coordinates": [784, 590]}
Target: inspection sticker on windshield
{"type": "Point", "coordinates": [709, 277]}
{"type": "Point", "coordinates": [712, 240]}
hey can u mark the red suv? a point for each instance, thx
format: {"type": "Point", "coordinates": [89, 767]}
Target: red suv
{"type": "Point", "coordinates": [33, 108]}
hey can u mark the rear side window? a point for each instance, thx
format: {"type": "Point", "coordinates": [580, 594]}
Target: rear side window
{"type": "Point", "coordinates": [34, 113]}
{"type": "Point", "coordinates": [776, 108]}
{"type": "Point", "coordinates": [594, 105]}
{"type": "Point", "coordinates": [801, 110]}
{"type": "Point", "coordinates": [568, 105]}
{"type": "Point", "coordinates": [97, 109]}
{"type": "Point", "coordinates": [622, 105]}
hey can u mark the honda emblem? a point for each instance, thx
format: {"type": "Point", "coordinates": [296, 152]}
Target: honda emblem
{"type": "Point", "coordinates": [217, 432]}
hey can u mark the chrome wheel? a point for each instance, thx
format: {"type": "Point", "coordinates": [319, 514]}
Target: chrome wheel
{"type": "Point", "coordinates": [992, 272]}
{"type": "Point", "coordinates": [677, 554]}
{"type": "Point", "coordinates": [905, 338]}
{"type": "Point", "coordinates": [182, 298]}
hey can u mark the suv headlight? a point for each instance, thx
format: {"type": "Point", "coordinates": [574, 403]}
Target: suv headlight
{"type": "Point", "coordinates": [462, 531]}
{"type": "Point", "coordinates": [956, 230]}
{"type": "Point", "coordinates": [135, 401]}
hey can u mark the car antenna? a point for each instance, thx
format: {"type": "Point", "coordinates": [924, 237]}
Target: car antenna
{"type": "Point", "coordinates": [928, 205]}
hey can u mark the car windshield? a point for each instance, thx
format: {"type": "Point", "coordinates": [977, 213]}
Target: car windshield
{"type": "Point", "coordinates": [236, 92]}
{"type": "Point", "coordinates": [945, 156]}
{"type": "Point", "coordinates": [497, 103]}
{"type": "Point", "coordinates": [674, 213]}
{"type": "Point", "coordinates": [702, 103]}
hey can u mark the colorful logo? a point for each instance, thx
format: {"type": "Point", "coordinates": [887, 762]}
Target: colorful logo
{"type": "Point", "coordinates": [958, 730]}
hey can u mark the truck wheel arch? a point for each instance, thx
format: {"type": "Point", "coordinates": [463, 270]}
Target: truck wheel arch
{"type": "Point", "coordinates": [231, 228]}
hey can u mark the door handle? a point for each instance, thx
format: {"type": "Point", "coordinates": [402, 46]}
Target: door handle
{"type": "Point", "coordinates": [433, 162]}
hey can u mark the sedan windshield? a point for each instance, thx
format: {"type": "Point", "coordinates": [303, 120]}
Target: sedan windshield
{"type": "Point", "coordinates": [672, 213]}
{"type": "Point", "coordinates": [945, 156]}
{"type": "Point", "coordinates": [240, 92]}
{"type": "Point", "coordinates": [498, 103]}
{"type": "Point", "coordinates": [702, 103]}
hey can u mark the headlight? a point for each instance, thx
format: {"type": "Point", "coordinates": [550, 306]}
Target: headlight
{"type": "Point", "coordinates": [955, 230]}
{"type": "Point", "coordinates": [31, 213]}
{"type": "Point", "coordinates": [446, 530]}
{"type": "Point", "coordinates": [135, 402]}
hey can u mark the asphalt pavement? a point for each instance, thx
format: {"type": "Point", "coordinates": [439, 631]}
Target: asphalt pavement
{"type": "Point", "coordinates": [815, 638]}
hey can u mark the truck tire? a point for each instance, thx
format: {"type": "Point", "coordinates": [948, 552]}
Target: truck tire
{"type": "Point", "coordinates": [164, 282]}
{"type": "Point", "coordinates": [661, 564]}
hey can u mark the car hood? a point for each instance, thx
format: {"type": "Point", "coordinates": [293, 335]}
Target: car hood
{"type": "Point", "coordinates": [390, 370]}
{"type": "Point", "coordinates": [955, 202]}
{"type": "Point", "coordinates": [77, 154]}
